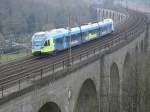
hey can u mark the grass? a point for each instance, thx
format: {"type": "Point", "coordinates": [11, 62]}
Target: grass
{"type": "Point", "coordinates": [11, 57]}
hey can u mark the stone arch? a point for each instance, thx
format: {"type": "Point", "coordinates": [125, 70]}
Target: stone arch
{"type": "Point", "coordinates": [87, 98]}
{"type": "Point", "coordinates": [50, 107]}
{"type": "Point", "coordinates": [142, 45]}
{"type": "Point", "coordinates": [129, 88]}
{"type": "Point", "coordinates": [114, 101]}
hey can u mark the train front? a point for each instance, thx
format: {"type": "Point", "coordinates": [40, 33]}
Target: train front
{"type": "Point", "coordinates": [38, 40]}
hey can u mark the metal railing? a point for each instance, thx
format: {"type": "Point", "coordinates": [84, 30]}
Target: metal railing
{"type": "Point", "coordinates": [10, 81]}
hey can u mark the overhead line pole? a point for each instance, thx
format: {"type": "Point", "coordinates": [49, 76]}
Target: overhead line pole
{"type": "Point", "coordinates": [69, 32]}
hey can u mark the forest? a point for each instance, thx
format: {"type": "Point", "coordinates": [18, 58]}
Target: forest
{"type": "Point", "coordinates": [19, 19]}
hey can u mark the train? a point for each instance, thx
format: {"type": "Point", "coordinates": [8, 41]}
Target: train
{"type": "Point", "coordinates": [49, 42]}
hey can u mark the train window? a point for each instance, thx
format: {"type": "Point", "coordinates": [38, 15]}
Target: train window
{"type": "Point", "coordinates": [77, 36]}
{"type": "Point", "coordinates": [92, 32]}
{"type": "Point", "coordinates": [86, 33]}
{"type": "Point", "coordinates": [46, 44]}
{"type": "Point", "coordinates": [68, 39]}
{"type": "Point", "coordinates": [49, 42]}
{"type": "Point", "coordinates": [85, 36]}
{"type": "Point", "coordinates": [59, 41]}
{"type": "Point", "coordinates": [73, 37]}
{"type": "Point", "coordinates": [97, 30]}
{"type": "Point", "coordinates": [103, 29]}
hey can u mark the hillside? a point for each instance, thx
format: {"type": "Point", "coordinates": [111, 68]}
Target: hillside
{"type": "Point", "coordinates": [19, 19]}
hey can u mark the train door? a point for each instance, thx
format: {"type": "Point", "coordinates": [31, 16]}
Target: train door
{"type": "Point", "coordinates": [49, 46]}
{"type": "Point", "coordinates": [85, 36]}
{"type": "Point", "coordinates": [59, 43]}
{"type": "Point", "coordinates": [92, 35]}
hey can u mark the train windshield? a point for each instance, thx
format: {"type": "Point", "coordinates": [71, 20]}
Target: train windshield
{"type": "Point", "coordinates": [38, 40]}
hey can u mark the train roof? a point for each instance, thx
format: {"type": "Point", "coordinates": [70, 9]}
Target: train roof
{"type": "Point", "coordinates": [75, 30]}
{"type": "Point", "coordinates": [108, 20]}
{"type": "Point", "coordinates": [89, 27]}
{"type": "Point", "coordinates": [62, 32]}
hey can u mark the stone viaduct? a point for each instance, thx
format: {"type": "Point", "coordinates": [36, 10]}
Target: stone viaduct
{"type": "Point", "coordinates": [102, 83]}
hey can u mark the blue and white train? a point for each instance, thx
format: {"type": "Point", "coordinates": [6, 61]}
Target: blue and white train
{"type": "Point", "coordinates": [59, 39]}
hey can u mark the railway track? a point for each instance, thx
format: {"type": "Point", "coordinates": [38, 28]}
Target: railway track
{"type": "Point", "coordinates": [27, 59]}
{"type": "Point", "coordinates": [12, 73]}
{"type": "Point", "coordinates": [28, 63]}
